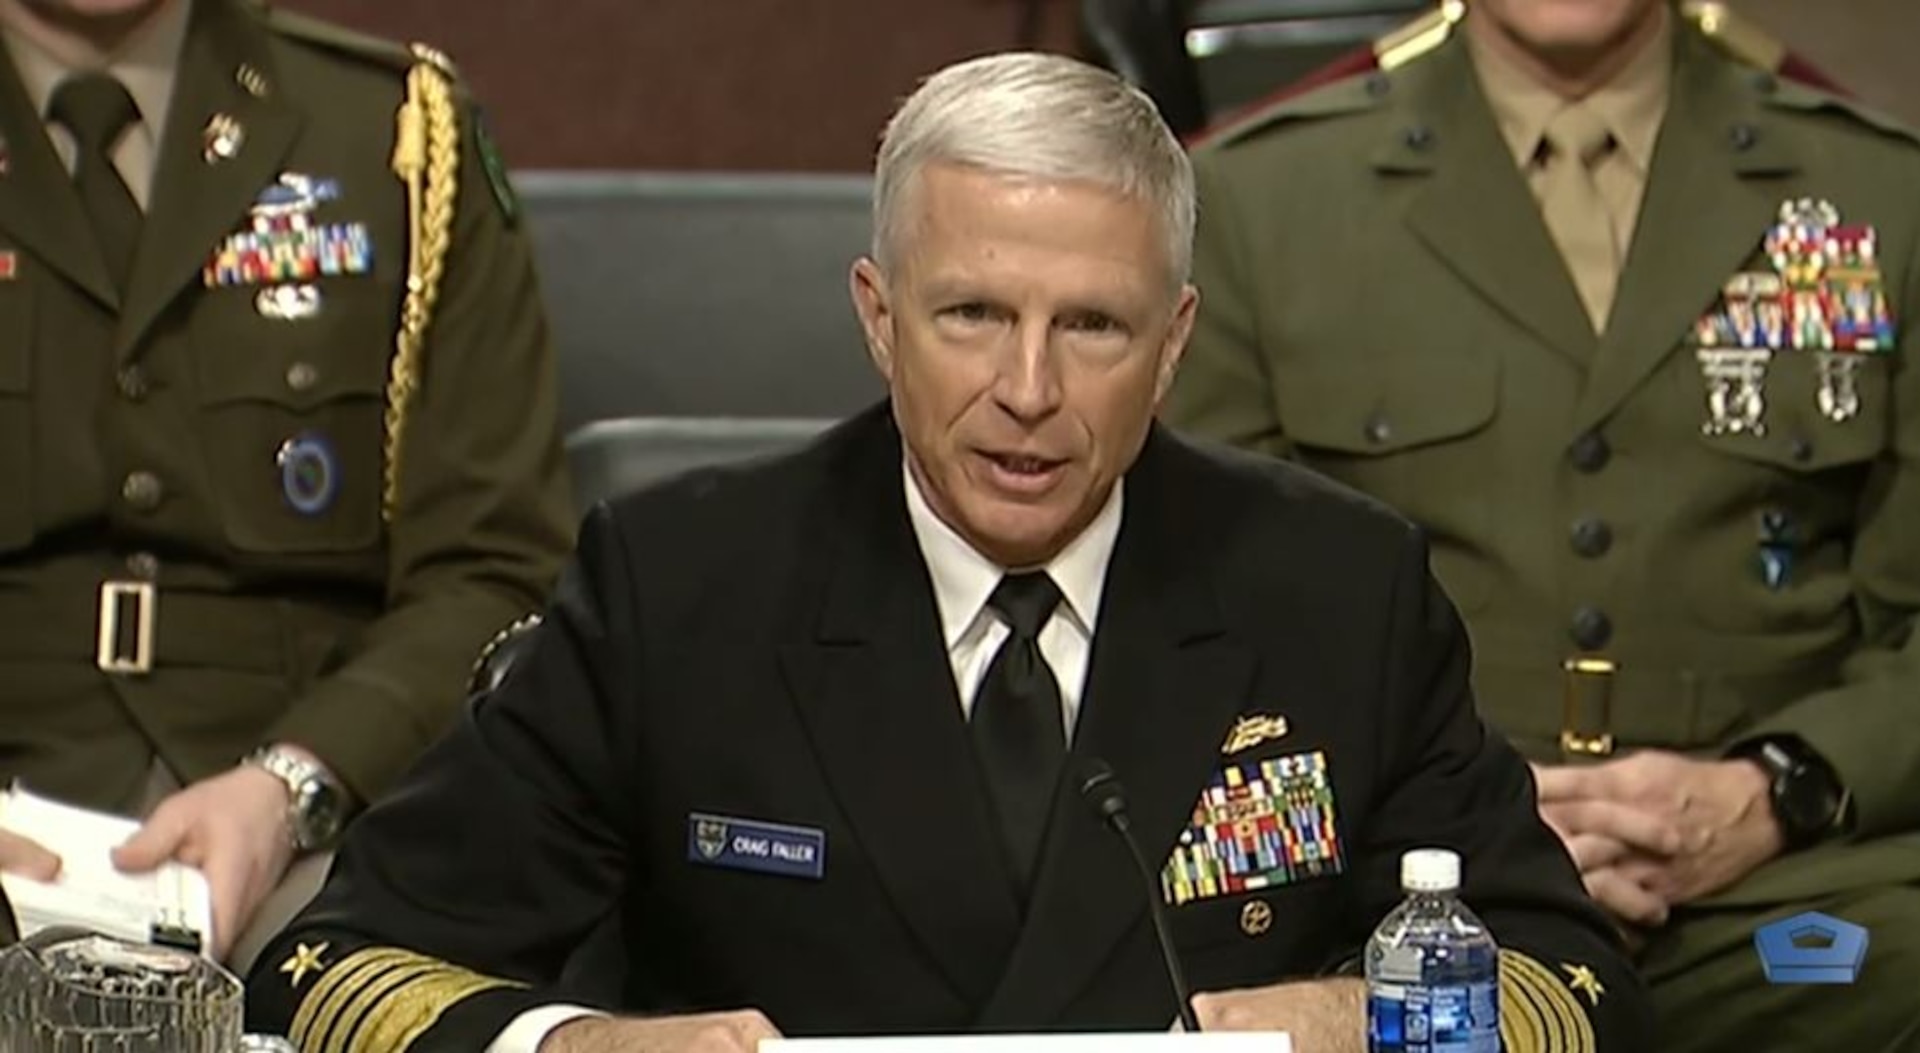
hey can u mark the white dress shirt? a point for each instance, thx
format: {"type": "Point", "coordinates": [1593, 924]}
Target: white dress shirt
{"type": "Point", "coordinates": [963, 579]}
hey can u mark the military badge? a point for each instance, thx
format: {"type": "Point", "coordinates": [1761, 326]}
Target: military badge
{"type": "Point", "coordinates": [1258, 825]}
{"type": "Point", "coordinates": [251, 80]}
{"type": "Point", "coordinates": [710, 837]}
{"type": "Point", "coordinates": [295, 192]}
{"type": "Point", "coordinates": [290, 249]}
{"type": "Point", "coordinates": [222, 138]}
{"type": "Point", "coordinates": [288, 303]}
{"type": "Point", "coordinates": [496, 169]}
{"type": "Point", "coordinates": [9, 265]}
{"type": "Point", "coordinates": [309, 474]}
{"type": "Point", "coordinates": [1776, 550]}
{"type": "Point", "coordinates": [1251, 731]}
{"type": "Point", "coordinates": [282, 242]}
{"type": "Point", "coordinates": [1734, 344]}
{"type": "Point", "coordinates": [1824, 296]}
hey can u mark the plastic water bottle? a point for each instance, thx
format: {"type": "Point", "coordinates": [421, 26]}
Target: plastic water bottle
{"type": "Point", "coordinates": [1433, 971]}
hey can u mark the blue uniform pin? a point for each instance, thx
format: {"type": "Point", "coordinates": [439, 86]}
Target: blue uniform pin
{"type": "Point", "coordinates": [309, 473]}
{"type": "Point", "coordinates": [1776, 549]}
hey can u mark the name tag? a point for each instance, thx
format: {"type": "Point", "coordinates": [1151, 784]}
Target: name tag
{"type": "Point", "coordinates": [748, 844]}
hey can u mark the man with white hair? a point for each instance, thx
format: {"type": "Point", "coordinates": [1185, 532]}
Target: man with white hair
{"type": "Point", "coordinates": [818, 730]}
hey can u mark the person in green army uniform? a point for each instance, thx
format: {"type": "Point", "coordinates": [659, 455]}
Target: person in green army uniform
{"type": "Point", "coordinates": [1627, 322]}
{"type": "Point", "coordinates": [277, 424]}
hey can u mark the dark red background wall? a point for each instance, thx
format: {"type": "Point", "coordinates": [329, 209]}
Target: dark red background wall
{"type": "Point", "coordinates": [699, 84]}
{"type": "Point", "coordinates": [805, 84]}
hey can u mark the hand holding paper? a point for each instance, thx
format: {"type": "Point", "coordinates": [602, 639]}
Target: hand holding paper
{"type": "Point", "coordinates": [232, 828]}
{"type": "Point", "coordinates": [83, 887]}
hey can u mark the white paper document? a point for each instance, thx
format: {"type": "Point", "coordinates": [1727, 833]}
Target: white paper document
{"type": "Point", "coordinates": [90, 893]}
{"type": "Point", "coordinates": [1215, 1042]}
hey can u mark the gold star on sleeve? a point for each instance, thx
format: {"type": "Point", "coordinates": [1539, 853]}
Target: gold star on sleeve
{"type": "Point", "coordinates": [1582, 979]}
{"type": "Point", "coordinates": [305, 960]}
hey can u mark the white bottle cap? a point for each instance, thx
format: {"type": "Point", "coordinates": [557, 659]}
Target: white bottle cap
{"type": "Point", "coordinates": [1430, 870]}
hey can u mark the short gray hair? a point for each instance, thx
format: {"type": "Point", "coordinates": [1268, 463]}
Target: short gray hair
{"type": "Point", "coordinates": [1037, 116]}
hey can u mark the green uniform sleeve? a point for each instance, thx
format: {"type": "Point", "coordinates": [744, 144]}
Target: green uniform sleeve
{"type": "Point", "coordinates": [1864, 727]}
{"type": "Point", "coordinates": [483, 518]}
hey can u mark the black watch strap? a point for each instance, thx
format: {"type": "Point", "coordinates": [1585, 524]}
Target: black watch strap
{"type": "Point", "coordinates": [1808, 799]}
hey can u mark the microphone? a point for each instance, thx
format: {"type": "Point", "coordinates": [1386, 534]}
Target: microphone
{"type": "Point", "coordinates": [1102, 791]}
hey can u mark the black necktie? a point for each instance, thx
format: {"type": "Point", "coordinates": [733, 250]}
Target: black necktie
{"type": "Point", "coordinates": [96, 109]}
{"type": "Point", "coordinates": [1018, 731]}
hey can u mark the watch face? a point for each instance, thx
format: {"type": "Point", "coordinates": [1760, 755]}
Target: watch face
{"type": "Point", "coordinates": [1807, 804]}
{"type": "Point", "coordinates": [319, 814]}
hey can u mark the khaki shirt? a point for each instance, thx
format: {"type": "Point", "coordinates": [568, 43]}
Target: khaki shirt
{"type": "Point", "coordinates": [1631, 105]}
{"type": "Point", "coordinates": [146, 65]}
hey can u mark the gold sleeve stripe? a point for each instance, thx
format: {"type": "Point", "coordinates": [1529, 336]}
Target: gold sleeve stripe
{"type": "Point", "coordinates": [345, 974]}
{"type": "Point", "coordinates": [1527, 1024]}
{"type": "Point", "coordinates": [321, 1012]}
{"type": "Point", "coordinates": [413, 1010]}
{"type": "Point", "coordinates": [1538, 1014]}
{"type": "Point", "coordinates": [353, 1015]}
{"type": "Point", "coordinates": [381, 999]}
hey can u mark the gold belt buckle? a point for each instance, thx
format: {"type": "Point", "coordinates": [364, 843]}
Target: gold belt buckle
{"type": "Point", "coordinates": [125, 646]}
{"type": "Point", "coordinates": [1586, 721]}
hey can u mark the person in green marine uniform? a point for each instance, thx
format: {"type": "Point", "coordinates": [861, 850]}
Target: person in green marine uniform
{"type": "Point", "coordinates": [1623, 319]}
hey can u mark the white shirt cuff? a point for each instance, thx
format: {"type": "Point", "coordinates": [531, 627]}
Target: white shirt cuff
{"type": "Point", "coordinates": [532, 1027]}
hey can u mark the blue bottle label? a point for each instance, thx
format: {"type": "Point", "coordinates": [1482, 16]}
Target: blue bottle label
{"type": "Point", "coordinates": [1440, 1018]}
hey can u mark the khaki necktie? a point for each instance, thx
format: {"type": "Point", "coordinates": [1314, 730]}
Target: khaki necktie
{"type": "Point", "coordinates": [1577, 215]}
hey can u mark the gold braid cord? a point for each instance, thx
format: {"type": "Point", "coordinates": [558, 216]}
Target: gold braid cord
{"type": "Point", "coordinates": [381, 1000]}
{"type": "Point", "coordinates": [426, 157]}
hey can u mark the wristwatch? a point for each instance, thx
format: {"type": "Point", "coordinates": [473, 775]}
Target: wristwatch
{"type": "Point", "coordinates": [1809, 801]}
{"type": "Point", "coordinates": [316, 804]}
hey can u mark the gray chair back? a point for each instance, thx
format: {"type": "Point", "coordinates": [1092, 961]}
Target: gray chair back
{"type": "Point", "coordinates": [612, 457]}
{"type": "Point", "coordinates": [701, 295]}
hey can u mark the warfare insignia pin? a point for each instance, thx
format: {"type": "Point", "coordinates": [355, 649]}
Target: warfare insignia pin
{"type": "Point", "coordinates": [1251, 731]}
{"type": "Point", "coordinates": [295, 192]}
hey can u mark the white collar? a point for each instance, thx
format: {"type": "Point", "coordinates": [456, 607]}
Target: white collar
{"type": "Point", "coordinates": [963, 579]}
